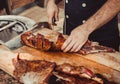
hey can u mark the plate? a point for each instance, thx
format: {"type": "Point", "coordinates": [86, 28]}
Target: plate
{"type": "Point", "coordinates": [11, 37]}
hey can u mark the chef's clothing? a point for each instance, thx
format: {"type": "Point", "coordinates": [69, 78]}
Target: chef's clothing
{"type": "Point", "coordinates": [78, 11]}
{"type": "Point", "coordinates": [2, 4]}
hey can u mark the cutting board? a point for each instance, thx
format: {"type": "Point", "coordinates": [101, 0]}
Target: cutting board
{"type": "Point", "coordinates": [107, 64]}
{"type": "Point", "coordinates": [88, 61]}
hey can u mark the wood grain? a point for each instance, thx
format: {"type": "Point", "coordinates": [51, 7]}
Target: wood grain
{"type": "Point", "coordinates": [72, 58]}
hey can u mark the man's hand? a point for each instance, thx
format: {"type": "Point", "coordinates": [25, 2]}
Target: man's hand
{"type": "Point", "coordinates": [80, 34]}
{"type": "Point", "coordinates": [76, 40]}
{"type": "Point", "coordinates": [52, 11]}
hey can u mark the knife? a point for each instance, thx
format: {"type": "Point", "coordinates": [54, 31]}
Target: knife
{"type": "Point", "coordinates": [53, 23]}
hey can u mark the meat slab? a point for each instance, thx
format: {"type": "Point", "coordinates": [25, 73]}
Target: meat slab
{"type": "Point", "coordinates": [40, 71]}
{"type": "Point", "coordinates": [33, 72]}
{"type": "Point", "coordinates": [68, 79]}
{"type": "Point", "coordinates": [39, 41]}
{"type": "Point", "coordinates": [79, 71]}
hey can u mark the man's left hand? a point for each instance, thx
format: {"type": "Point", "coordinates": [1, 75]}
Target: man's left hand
{"type": "Point", "coordinates": [76, 40]}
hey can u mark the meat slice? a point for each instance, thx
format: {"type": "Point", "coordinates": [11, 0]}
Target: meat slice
{"type": "Point", "coordinates": [58, 44]}
{"type": "Point", "coordinates": [94, 47]}
{"type": "Point", "coordinates": [78, 71]}
{"type": "Point", "coordinates": [46, 44]}
{"type": "Point", "coordinates": [36, 41]}
{"type": "Point", "coordinates": [41, 42]}
{"type": "Point", "coordinates": [33, 72]}
{"type": "Point", "coordinates": [68, 79]}
{"type": "Point", "coordinates": [28, 39]}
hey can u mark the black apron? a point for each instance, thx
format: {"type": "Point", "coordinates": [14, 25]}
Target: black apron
{"type": "Point", "coordinates": [2, 4]}
{"type": "Point", "coordinates": [78, 11]}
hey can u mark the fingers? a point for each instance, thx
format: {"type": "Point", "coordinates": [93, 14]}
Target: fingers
{"type": "Point", "coordinates": [52, 12]}
{"type": "Point", "coordinates": [65, 45]}
{"type": "Point", "coordinates": [78, 45]}
{"type": "Point", "coordinates": [78, 48]}
{"type": "Point", "coordinates": [56, 16]}
{"type": "Point", "coordinates": [50, 19]}
{"type": "Point", "coordinates": [75, 47]}
{"type": "Point", "coordinates": [72, 45]}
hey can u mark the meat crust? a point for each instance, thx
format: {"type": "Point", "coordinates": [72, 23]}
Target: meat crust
{"type": "Point", "coordinates": [37, 71]}
{"type": "Point", "coordinates": [58, 44]}
{"type": "Point", "coordinates": [40, 71]}
{"type": "Point", "coordinates": [36, 41]}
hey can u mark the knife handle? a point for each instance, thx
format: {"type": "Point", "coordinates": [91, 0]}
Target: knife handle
{"type": "Point", "coordinates": [53, 21]}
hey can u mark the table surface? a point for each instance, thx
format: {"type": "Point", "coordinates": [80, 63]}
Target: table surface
{"type": "Point", "coordinates": [7, 79]}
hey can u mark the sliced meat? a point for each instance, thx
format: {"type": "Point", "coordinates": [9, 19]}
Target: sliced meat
{"type": "Point", "coordinates": [33, 72]}
{"type": "Point", "coordinates": [40, 72]}
{"type": "Point", "coordinates": [94, 47]}
{"type": "Point", "coordinates": [77, 71]}
{"type": "Point", "coordinates": [58, 44]}
{"type": "Point", "coordinates": [68, 79]}
{"type": "Point", "coordinates": [27, 39]}
{"type": "Point", "coordinates": [46, 44]}
{"type": "Point", "coordinates": [41, 42]}
{"type": "Point", "coordinates": [36, 41]}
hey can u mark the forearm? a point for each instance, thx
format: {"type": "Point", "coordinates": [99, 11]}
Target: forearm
{"type": "Point", "coordinates": [103, 15]}
{"type": "Point", "coordinates": [53, 1]}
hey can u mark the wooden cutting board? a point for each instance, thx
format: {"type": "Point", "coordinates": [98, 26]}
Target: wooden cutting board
{"type": "Point", "coordinates": [107, 64]}
{"type": "Point", "coordinates": [103, 64]}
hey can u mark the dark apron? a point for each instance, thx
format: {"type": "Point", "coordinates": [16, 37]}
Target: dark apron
{"type": "Point", "coordinates": [2, 4]}
{"type": "Point", "coordinates": [78, 11]}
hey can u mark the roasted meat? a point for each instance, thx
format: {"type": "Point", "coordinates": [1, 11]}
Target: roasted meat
{"type": "Point", "coordinates": [41, 72]}
{"type": "Point", "coordinates": [94, 47]}
{"type": "Point", "coordinates": [33, 72]}
{"type": "Point", "coordinates": [41, 42]}
{"type": "Point", "coordinates": [57, 45]}
{"type": "Point", "coordinates": [68, 79]}
{"type": "Point", "coordinates": [36, 41]}
{"type": "Point", "coordinates": [80, 71]}
{"type": "Point", "coordinates": [28, 39]}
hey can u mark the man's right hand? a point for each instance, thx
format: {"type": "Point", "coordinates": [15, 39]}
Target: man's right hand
{"type": "Point", "coordinates": [52, 11]}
